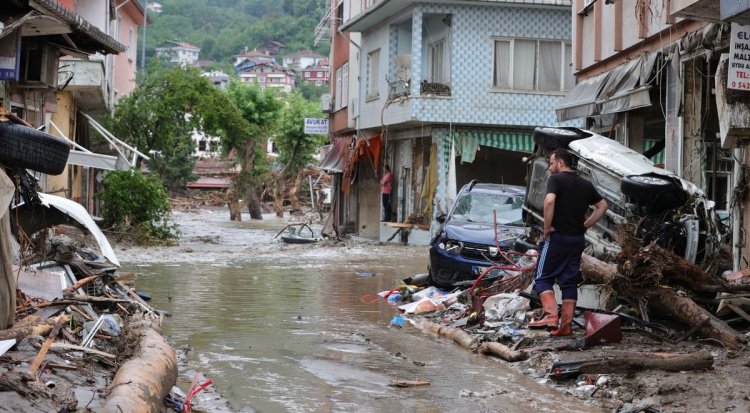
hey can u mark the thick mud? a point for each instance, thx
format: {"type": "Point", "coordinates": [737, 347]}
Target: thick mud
{"type": "Point", "coordinates": [297, 327]}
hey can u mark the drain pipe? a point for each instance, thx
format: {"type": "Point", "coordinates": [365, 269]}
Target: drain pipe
{"type": "Point", "coordinates": [737, 211]}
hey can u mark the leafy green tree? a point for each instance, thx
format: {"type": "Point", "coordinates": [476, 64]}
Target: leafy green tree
{"type": "Point", "coordinates": [261, 110]}
{"type": "Point", "coordinates": [295, 147]}
{"type": "Point", "coordinates": [161, 114]}
{"type": "Point", "coordinates": [137, 204]}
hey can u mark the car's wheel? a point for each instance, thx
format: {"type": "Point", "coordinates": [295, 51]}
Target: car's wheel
{"type": "Point", "coordinates": [553, 138]}
{"type": "Point", "coordinates": [657, 193]}
{"type": "Point", "coordinates": [29, 148]}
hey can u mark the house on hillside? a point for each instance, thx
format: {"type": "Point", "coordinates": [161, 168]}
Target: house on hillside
{"type": "Point", "coordinates": [253, 56]}
{"type": "Point", "coordinates": [217, 78]}
{"type": "Point", "coordinates": [302, 59]}
{"type": "Point", "coordinates": [319, 75]}
{"type": "Point", "coordinates": [271, 48]}
{"type": "Point", "coordinates": [269, 75]}
{"type": "Point", "coordinates": [181, 53]}
{"type": "Point", "coordinates": [441, 85]}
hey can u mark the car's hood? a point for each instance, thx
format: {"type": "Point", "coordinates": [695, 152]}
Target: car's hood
{"type": "Point", "coordinates": [478, 233]}
{"type": "Point", "coordinates": [622, 160]}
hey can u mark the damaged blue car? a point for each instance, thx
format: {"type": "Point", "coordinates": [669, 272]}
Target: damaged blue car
{"type": "Point", "coordinates": [466, 242]}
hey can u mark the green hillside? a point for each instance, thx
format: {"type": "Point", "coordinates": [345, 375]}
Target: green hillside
{"type": "Point", "coordinates": [223, 28]}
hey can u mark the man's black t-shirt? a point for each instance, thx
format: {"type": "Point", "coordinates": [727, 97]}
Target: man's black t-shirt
{"type": "Point", "coordinates": [573, 195]}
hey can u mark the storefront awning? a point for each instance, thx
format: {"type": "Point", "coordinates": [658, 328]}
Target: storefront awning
{"type": "Point", "coordinates": [621, 89]}
{"type": "Point", "coordinates": [333, 160]}
{"type": "Point", "coordinates": [467, 142]}
{"type": "Point", "coordinates": [581, 101]}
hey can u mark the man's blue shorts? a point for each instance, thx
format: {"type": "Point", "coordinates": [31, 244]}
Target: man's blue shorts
{"type": "Point", "coordinates": [560, 261]}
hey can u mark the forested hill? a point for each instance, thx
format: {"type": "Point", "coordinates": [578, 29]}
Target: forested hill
{"type": "Point", "coordinates": [223, 28]}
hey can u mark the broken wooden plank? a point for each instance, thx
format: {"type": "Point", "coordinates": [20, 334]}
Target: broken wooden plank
{"type": "Point", "coordinates": [81, 283]}
{"type": "Point", "coordinates": [408, 383]}
{"type": "Point", "coordinates": [66, 346]}
{"type": "Point", "coordinates": [45, 347]}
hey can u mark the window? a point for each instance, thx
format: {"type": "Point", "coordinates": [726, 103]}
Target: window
{"type": "Point", "coordinates": [373, 75]}
{"type": "Point", "coordinates": [535, 65]}
{"type": "Point", "coordinates": [319, 74]}
{"type": "Point", "coordinates": [262, 79]}
{"type": "Point", "coordinates": [131, 44]}
{"type": "Point", "coordinates": [345, 85]}
{"type": "Point", "coordinates": [439, 63]}
{"type": "Point", "coordinates": [339, 82]}
{"type": "Point", "coordinates": [202, 145]}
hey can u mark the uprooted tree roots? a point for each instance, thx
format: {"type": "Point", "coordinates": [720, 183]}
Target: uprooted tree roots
{"type": "Point", "coordinates": [650, 275]}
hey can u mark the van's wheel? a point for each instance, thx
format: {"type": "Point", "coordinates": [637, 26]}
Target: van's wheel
{"type": "Point", "coordinates": [657, 193]}
{"type": "Point", "coordinates": [26, 147]}
{"type": "Point", "coordinates": [553, 138]}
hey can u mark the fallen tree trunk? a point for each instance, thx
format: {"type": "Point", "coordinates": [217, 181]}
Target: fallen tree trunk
{"type": "Point", "coordinates": [456, 334]}
{"type": "Point", "coordinates": [633, 362]}
{"type": "Point", "coordinates": [687, 311]}
{"type": "Point", "coordinates": [30, 326]}
{"type": "Point", "coordinates": [142, 382]}
{"type": "Point", "coordinates": [667, 301]}
{"type": "Point", "coordinates": [503, 351]}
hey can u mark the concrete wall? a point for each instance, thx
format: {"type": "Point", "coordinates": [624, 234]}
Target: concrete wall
{"type": "Point", "coordinates": [124, 70]}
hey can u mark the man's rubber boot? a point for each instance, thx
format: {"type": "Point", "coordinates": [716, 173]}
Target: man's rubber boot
{"type": "Point", "coordinates": [550, 318]}
{"type": "Point", "coordinates": [566, 318]}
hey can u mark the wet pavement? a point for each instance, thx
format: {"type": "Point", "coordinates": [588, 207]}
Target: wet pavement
{"type": "Point", "coordinates": [294, 327]}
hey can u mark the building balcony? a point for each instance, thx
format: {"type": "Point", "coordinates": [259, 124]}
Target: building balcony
{"type": "Point", "coordinates": [696, 9]}
{"type": "Point", "coordinates": [86, 80]}
{"type": "Point", "coordinates": [737, 11]}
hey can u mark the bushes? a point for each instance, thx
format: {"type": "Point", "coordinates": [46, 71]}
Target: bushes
{"type": "Point", "coordinates": [137, 204]}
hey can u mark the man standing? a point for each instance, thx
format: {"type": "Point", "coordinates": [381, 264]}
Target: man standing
{"type": "Point", "coordinates": [565, 205]}
{"type": "Point", "coordinates": [385, 190]}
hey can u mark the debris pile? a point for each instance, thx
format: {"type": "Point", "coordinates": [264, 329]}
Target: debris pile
{"type": "Point", "coordinates": [651, 311]}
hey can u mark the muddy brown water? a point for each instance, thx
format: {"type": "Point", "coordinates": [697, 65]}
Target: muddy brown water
{"type": "Point", "coordinates": [292, 328]}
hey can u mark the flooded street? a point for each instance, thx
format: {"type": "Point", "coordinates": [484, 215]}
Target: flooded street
{"type": "Point", "coordinates": [295, 328]}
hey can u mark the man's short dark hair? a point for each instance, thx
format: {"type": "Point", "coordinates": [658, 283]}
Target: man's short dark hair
{"type": "Point", "coordinates": [563, 155]}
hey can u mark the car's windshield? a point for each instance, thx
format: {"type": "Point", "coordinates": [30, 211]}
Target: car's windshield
{"type": "Point", "coordinates": [479, 207]}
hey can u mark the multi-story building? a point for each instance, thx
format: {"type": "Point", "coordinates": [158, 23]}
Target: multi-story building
{"type": "Point", "coordinates": [181, 53]}
{"type": "Point", "coordinates": [319, 75]}
{"type": "Point", "coordinates": [302, 59]}
{"type": "Point", "coordinates": [253, 56]}
{"type": "Point", "coordinates": [268, 75]}
{"type": "Point", "coordinates": [443, 86]}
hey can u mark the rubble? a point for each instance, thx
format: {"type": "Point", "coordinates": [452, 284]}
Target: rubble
{"type": "Point", "coordinates": [662, 316]}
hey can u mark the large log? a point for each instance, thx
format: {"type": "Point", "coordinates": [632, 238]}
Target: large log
{"type": "Point", "coordinates": [142, 382]}
{"type": "Point", "coordinates": [687, 311]}
{"type": "Point", "coordinates": [633, 362]}
{"type": "Point", "coordinates": [30, 326]}
{"type": "Point", "coordinates": [503, 351]}
{"type": "Point", "coordinates": [456, 334]}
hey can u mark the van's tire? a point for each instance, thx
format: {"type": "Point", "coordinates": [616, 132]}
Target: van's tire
{"type": "Point", "coordinates": [25, 147]}
{"type": "Point", "coordinates": [553, 138]}
{"type": "Point", "coordinates": [656, 193]}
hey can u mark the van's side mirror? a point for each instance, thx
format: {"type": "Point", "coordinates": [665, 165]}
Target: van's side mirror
{"type": "Point", "coordinates": [441, 218]}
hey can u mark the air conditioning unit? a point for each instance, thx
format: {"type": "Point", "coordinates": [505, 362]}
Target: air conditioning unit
{"type": "Point", "coordinates": [326, 103]}
{"type": "Point", "coordinates": [39, 65]}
